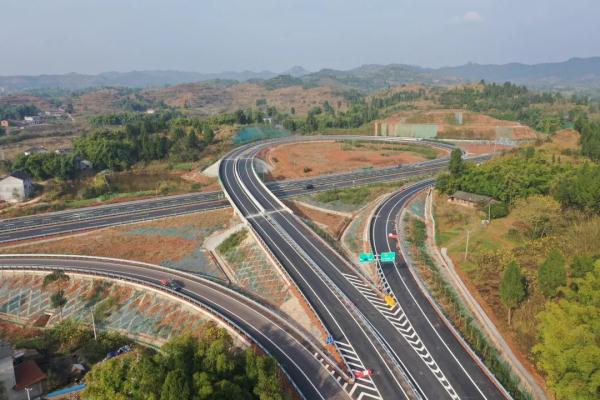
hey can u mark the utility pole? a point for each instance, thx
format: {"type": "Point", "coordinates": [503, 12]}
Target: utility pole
{"type": "Point", "coordinates": [94, 324]}
{"type": "Point", "coordinates": [467, 246]}
{"type": "Point", "coordinates": [489, 212]}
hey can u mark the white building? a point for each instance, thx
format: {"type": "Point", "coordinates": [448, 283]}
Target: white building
{"type": "Point", "coordinates": [16, 187]}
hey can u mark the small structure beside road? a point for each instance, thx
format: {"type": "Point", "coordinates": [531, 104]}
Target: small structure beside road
{"type": "Point", "coordinates": [471, 200]}
{"type": "Point", "coordinates": [16, 187]}
{"type": "Point", "coordinates": [19, 378]}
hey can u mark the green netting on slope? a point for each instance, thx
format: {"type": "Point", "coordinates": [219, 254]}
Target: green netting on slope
{"type": "Point", "coordinates": [253, 133]}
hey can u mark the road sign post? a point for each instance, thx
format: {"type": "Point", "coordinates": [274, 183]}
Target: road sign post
{"type": "Point", "coordinates": [366, 257]}
{"type": "Point", "coordinates": [388, 256]}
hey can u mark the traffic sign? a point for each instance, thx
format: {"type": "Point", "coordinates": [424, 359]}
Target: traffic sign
{"type": "Point", "coordinates": [329, 340]}
{"type": "Point", "coordinates": [366, 257]}
{"type": "Point", "coordinates": [388, 256]}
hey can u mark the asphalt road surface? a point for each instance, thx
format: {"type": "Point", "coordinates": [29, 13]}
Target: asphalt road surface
{"type": "Point", "coordinates": [307, 373]}
{"type": "Point", "coordinates": [280, 229]}
{"type": "Point", "coordinates": [418, 317]}
{"type": "Point", "coordinates": [68, 221]}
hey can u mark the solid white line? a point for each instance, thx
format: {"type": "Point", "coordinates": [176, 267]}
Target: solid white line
{"type": "Point", "coordinates": [418, 305]}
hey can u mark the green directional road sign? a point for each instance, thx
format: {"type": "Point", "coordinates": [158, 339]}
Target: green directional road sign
{"type": "Point", "coordinates": [366, 257]}
{"type": "Point", "coordinates": [389, 256]}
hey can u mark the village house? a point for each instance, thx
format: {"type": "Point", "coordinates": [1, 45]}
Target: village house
{"type": "Point", "coordinates": [4, 123]}
{"type": "Point", "coordinates": [472, 200]}
{"type": "Point", "coordinates": [21, 380]}
{"type": "Point", "coordinates": [33, 120]}
{"type": "Point", "coordinates": [16, 187]}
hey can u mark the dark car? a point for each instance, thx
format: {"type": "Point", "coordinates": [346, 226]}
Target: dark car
{"type": "Point", "coordinates": [309, 186]}
{"type": "Point", "coordinates": [171, 284]}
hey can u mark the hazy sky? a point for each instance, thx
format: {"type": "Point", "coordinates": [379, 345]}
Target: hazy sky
{"type": "Point", "coordinates": [91, 36]}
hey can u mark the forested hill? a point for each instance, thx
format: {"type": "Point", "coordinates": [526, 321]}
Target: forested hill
{"type": "Point", "coordinates": [576, 73]}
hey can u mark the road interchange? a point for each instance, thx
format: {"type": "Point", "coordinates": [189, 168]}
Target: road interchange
{"type": "Point", "coordinates": [293, 352]}
{"type": "Point", "coordinates": [318, 263]}
{"type": "Point", "coordinates": [364, 333]}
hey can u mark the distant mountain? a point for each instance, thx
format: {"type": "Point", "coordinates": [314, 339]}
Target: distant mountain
{"type": "Point", "coordinates": [296, 71]}
{"type": "Point", "coordinates": [576, 73]}
{"type": "Point", "coordinates": [373, 77]}
{"type": "Point", "coordinates": [133, 79]}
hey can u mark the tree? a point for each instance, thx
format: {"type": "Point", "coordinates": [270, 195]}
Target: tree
{"type": "Point", "coordinates": [552, 273]}
{"type": "Point", "coordinates": [568, 350]}
{"type": "Point", "coordinates": [58, 277]}
{"type": "Point", "coordinates": [512, 287]}
{"type": "Point", "coordinates": [581, 265]}
{"type": "Point", "coordinates": [175, 386]}
{"type": "Point", "coordinates": [207, 367]}
{"type": "Point", "coordinates": [208, 135]}
{"type": "Point", "coordinates": [58, 300]}
{"type": "Point", "coordinates": [456, 162]}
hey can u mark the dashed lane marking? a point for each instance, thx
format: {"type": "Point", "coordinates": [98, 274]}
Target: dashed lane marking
{"type": "Point", "coordinates": [396, 316]}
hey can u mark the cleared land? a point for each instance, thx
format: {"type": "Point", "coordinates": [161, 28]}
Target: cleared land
{"type": "Point", "coordinates": [172, 242]}
{"type": "Point", "coordinates": [299, 160]}
{"type": "Point", "coordinates": [333, 223]}
{"type": "Point", "coordinates": [474, 125]}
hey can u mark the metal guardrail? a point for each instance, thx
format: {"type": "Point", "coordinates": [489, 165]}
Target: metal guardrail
{"type": "Point", "coordinates": [352, 309]}
{"type": "Point", "coordinates": [232, 326]}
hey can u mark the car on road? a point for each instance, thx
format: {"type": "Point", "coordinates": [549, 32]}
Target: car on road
{"type": "Point", "coordinates": [363, 374]}
{"type": "Point", "coordinates": [309, 186]}
{"type": "Point", "coordinates": [171, 284]}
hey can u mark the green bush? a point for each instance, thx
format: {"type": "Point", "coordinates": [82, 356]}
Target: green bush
{"type": "Point", "coordinates": [233, 241]}
{"type": "Point", "coordinates": [498, 210]}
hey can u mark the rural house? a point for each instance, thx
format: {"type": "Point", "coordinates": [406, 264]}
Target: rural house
{"type": "Point", "coordinates": [15, 187]}
{"type": "Point", "coordinates": [472, 200]}
{"type": "Point", "coordinates": [20, 378]}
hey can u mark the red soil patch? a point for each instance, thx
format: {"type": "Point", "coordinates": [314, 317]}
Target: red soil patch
{"type": "Point", "coordinates": [334, 223]}
{"type": "Point", "coordinates": [118, 242]}
{"type": "Point", "coordinates": [299, 160]}
{"type": "Point", "coordinates": [472, 148]}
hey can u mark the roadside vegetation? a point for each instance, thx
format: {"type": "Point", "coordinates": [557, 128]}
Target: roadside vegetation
{"type": "Point", "coordinates": [204, 366]}
{"type": "Point", "coordinates": [456, 311]}
{"type": "Point", "coordinates": [356, 196]}
{"type": "Point", "coordinates": [537, 264]}
{"type": "Point", "coordinates": [62, 343]}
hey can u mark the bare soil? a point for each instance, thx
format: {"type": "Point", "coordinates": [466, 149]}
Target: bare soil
{"type": "Point", "coordinates": [121, 242]}
{"type": "Point", "coordinates": [474, 126]}
{"type": "Point", "coordinates": [475, 149]}
{"type": "Point", "coordinates": [300, 160]}
{"type": "Point", "coordinates": [332, 222]}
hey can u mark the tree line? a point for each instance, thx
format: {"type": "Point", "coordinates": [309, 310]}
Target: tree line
{"type": "Point", "coordinates": [525, 173]}
{"type": "Point", "coordinates": [186, 368]}
{"type": "Point", "coordinates": [510, 102]}
{"type": "Point", "coordinates": [17, 111]}
{"type": "Point", "coordinates": [143, 138]}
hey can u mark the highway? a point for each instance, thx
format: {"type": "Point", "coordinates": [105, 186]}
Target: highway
{"type": "Point", "coordinates": [330, 284]}
{"type": "Point", "coordinates": [418, 317]}
{"type": "Point", "coordinates": [368, 334]}
{"type": "Point", "coordinates": [352, 341]}
{"type": "Point", "coordinates": [274, 335]}
{"type": "Point", "coordinates": [69, 221]}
